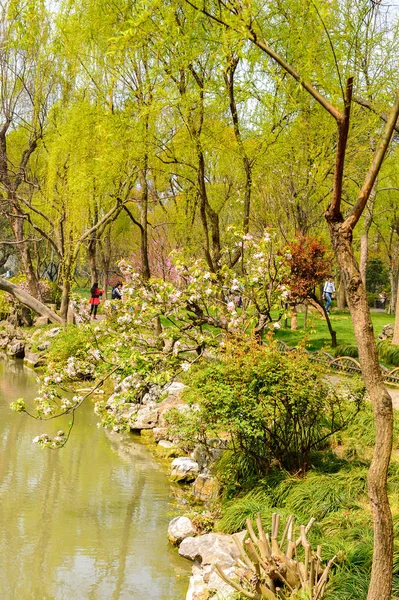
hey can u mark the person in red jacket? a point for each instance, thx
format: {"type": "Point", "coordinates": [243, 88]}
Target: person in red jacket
{"type": "Point", "coordinates": [95, 299]}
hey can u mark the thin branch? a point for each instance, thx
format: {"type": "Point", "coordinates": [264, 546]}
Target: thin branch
{"type": "Point", "coordinates": [371, 176]}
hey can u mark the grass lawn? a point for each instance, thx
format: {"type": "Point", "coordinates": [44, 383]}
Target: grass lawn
{"type": "Point", "coordinates": [316, 335]}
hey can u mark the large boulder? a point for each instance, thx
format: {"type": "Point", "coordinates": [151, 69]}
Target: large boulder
{"type": "Point", "coordinates": [206, 487]}
{"type": "Point", "coordinates": [38, 321]}
{"type": "Point", "coordinates": [33, 359]}
{"type": "Point", "coordinates": [184, 469]}
{"type": "Point", "coordinates": [16, 349]}
{"type": "Point", "coordinates": [210, 548]}
{"type": "Point", "coordinates": [387, 332]}
{"type": "Point", "coordinates": [44, 346]}
{"type": "Point", "coordinates": [160, 433]}
{"type": "Point", "coordinates": [179, 529]}
{"type": "Point", "coordinates": [146, 417]}
{"type": "Point", "coordinates": [197, 589]}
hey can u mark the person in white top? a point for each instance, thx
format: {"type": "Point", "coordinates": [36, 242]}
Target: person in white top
{"type": "Point", "coordinates": [328, 293]}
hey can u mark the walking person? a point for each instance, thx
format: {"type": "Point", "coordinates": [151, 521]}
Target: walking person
{"type": "Point", "coordinates": [95, 299]}
{"type": "Point", "coordinates": [328, 293]}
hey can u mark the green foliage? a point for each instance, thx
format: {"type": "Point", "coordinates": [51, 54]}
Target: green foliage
{"type": "Point", "coordinates": [346, 350]}
{"type": "Point", "coordinates": [377, 277]}
{"type": "Point", "coordinates": [276, 408]}
{"type": "Point", "coordinates": [71, 341]}
{"type": "Point", "coordinates": [388, 352]}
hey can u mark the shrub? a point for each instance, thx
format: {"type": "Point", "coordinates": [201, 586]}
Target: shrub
{"type": "Point", "coordinates": [347, 350]}
{"type": "Point", "coordinates": [388, 352]}
{"type": "Point", "coordinates": [276, 408]}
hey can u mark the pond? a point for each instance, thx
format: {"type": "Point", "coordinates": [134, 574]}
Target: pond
{"type": "Point", "coordinates": [88, 521]}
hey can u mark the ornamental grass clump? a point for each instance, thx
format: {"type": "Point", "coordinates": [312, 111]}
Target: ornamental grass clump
{"type": "Point", "coordinates": [279, 570]}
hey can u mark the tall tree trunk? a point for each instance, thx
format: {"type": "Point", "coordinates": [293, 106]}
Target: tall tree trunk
{"type": "Point", "coordinates": [17, 224]}
{"type": "Point", "coordinates": [381, 575]}
{"type": "Point", "coordinates": [364, 239]}
{"type": "Point", "coordinates": [65, 280]}
{"type": "Point", "coordinates": [229, 80]}
{"type": "Point", "coordinates": [294, 317]}
{"type": "Point", "coordinates": [92, 255]}
{"type": "Point", "coordinates": [394, 280]}
{"type": "Point", "coordinates": [395, 339]}
{"type": "Point", "coordinates": [145, 263]}
{"type": "Point", "coordinates": [341, 294]}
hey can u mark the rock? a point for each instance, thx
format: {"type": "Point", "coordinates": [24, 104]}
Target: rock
{"type": "Point", "coordinates": [206, 487]}
{"type": "Point", "coordinates": [166, 444]}
{"type": "Point", "coordinates": [180, 528]}
{"type": "Point", "coordinates": [175, 387]}
{"type": "Point", "coordinates": [198, 589]}
{"type": "Point", "coordinates": [44, 346]}
{"type": "Point", "coordinates": [387, 332]}
{"type": "Point", "coordinates": [160, 433]}
{"type": "Point", "coordinates": [16, 349]}
{"type": "Point", "coordinates": [166, 405]}
{"type": "Point", "coordinates": [184, 469]}
{"type": "Point", "coordinates": [38, 321]}
{"type": "Point", "coordinates": [33, 359]}
{"type": "Point", "coordinates": [54, 331]}
{"type": "Point", "coordinates": [4, 341]}
{"type": "Point", "coordinates": [211, 548]}
{"type": "Point", "coordinates": [146, 417]}
{"type": "Point", "coordinates": [201, 456]}
{"type": "Point", "coordinates": [216, 584]}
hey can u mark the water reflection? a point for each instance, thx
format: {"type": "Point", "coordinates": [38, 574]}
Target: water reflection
{"type": "Point", "coordinates": [85, 522]}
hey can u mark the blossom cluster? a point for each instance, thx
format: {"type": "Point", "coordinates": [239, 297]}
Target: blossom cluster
{"type": "Point", "coordinates": [161, 328]}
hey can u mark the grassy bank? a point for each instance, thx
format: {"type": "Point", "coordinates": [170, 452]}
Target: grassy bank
{"type": "Point", "coordinates": [316, 335]}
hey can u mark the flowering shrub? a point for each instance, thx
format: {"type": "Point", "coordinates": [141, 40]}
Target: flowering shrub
{"type": "Point", "coordinates": [162, 328]}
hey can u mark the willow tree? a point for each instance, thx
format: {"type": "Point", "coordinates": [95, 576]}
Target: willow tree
{"type": "Point", "coordinates": [258, 25]}
{"type": "Point", "coordinates": [28, 88]}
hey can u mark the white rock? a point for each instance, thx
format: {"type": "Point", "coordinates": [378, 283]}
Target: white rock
{"type": "Point", "coordinates": [209, 549]}
{"type": "Point", "coordinates": [216, 584]}
{"type": "Point", "coordinates": [174, 387]}
{"type": "Point", "coordinates": [53, 332]}
{"type": "Point", "coordinates": [184, 469]}
{"type": "Point", "coordinates": [146, 417]}
{"type": "Point", "coordinates": [166, 444]}
{"type": "Point", "coordinates": [198, 589]}
{"type": "Point", "coordinates": [180, 528]}
{"type": "Point", "coordinates": [160, 433]}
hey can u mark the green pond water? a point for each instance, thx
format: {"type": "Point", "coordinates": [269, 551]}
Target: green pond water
{"type": "Point", "coordinates": [86, 522]}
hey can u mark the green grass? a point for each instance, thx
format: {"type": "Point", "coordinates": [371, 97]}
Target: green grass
{"type": "Point", "coordinates": [335, 493]}
{"type": "Point", "coordinates": [317, 337]}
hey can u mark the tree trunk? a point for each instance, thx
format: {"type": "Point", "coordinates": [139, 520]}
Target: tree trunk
{"type": "Point", "coordinates": [381, 574]}
{"type": "Point", "coordinates": [17, 225]}
{"type": "Point", "coordinates": [29, 301]}
{"type": "Point", "coordinates": [395, 339]}
{"type": "Point", "coordinates": [145, 263]}
{"type": "Point", "coordinates": [341, 294]}
{"type": "Point", "coordinates": [294, 317]}
{"type": "Point", "coordinates": [92, 255]}
{"type": "Point", "coordinates": [394, 280]}
{"type": "Point", "coordinates": [364, 239]}
{"type": "Point", "coordinates": [315, 302]}
{"type": "Point", "coordinates": [66, 270]}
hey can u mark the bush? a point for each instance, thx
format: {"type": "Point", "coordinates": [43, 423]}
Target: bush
{"type": "Point", "coordinates": [388, 352]}
{"type": "Point", "coordinates": [276, 408]}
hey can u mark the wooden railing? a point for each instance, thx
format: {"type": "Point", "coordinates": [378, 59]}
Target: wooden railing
{"type": "Point", "coordinates": [343, 363]}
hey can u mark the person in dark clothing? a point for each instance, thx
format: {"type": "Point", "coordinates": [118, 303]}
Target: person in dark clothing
{"type": "Point", "coordinates": [95, 299]}
{"type": "Point", "coordinates": [117, 291]}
